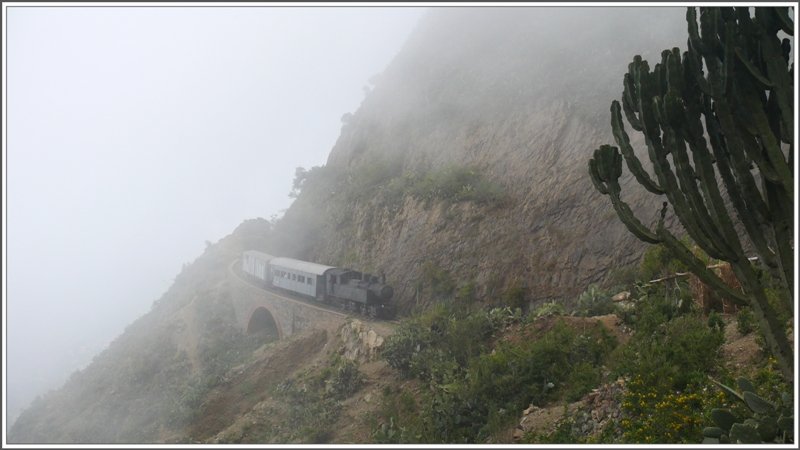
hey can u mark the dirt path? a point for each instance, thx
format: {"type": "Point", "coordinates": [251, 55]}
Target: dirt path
{"type": "Point", "coordinates": [740, 352]}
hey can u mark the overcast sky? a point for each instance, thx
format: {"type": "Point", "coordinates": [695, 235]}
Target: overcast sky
{"type": "Point", "coordinates": [135, 134]}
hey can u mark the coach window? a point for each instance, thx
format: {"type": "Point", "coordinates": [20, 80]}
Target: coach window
{"type": "Point", "coordinates": [310, 281]}
{"type": "Point", "coordinates": [301, 278]}
{"type": "Point", "coordinates": [294, 277]}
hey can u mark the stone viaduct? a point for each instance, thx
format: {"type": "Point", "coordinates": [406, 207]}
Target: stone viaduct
{"type": "Point", "coordinates": [257, 308]}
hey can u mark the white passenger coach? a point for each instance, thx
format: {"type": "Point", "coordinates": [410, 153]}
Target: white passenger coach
{"type": "Point", "coordinates": [256, 263]}
{"type": "Point", "coordinates": [303, 277]}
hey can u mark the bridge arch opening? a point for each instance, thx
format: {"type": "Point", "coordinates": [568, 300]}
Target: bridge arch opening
{"type": "Point", "coordinates": [263, 322]}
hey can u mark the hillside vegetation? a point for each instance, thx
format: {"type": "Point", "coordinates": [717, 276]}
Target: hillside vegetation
{"type": "Point", "coordinates": [654, 354]}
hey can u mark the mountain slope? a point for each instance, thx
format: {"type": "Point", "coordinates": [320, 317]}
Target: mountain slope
{"type": "Point", "coordinates": [147, 385]}
{"type": "Point", "coordinates": [468, 158]}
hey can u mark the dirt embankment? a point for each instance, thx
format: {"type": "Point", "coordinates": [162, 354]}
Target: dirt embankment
{"type": "Point", "coordinates": [249, 384]}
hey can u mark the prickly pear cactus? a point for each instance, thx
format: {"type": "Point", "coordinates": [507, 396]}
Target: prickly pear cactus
{"type": "Point", "coordinates": [770, 423]}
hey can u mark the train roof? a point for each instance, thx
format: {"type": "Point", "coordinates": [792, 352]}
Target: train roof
{"type": "Point", "coordinates": [300, 266]}
{"type": "Point", "coordinates": [259, 255]}
{"type": "Point", "coordinates": [338, 271]}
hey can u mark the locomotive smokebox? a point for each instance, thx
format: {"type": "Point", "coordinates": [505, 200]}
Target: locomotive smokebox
{"type": "Point", "coordinates": [386, 292]}
{"type": "Point", "coordinates": [381, 292]}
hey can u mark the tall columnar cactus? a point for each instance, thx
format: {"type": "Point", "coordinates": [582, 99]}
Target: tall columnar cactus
{"type": "Point", "coordinates": [736, 78]}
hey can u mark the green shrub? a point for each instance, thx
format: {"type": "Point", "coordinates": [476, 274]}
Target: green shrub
{"type": "Point", "coordinates": [745, 321]}
{"type": "Point", "coordinates": [345, 379]}
{"type": "Point", "coordinates": [583, 378]}
{"type": "Point", "coordinates": [594, 302]}
{"type": "Point", "coordinates": [715, 321]}
{"type": "Point", "coordinates": [466, 293]}
{"type": "Point", "coordinates": [408, 340]}
{"type": "Point", "coordinates": [455, 184]}
{"type": "Point", "coordinates": [668, 396]}
{"type": "Point", "coordinates": [653, 308]}
{"type": "Point", "coordinates": [308, 411]}
{"type": "Point", "coordinates": [367, 176]}
{"type": "Point", "coordinates": [622, 278]}
{"type": "Point", "coordinates": [317, 182]}
{"type": "Point", "coordinates": [677, 352]}
{"type": "Point", "coordinates": [516, 296]}
{"type": "Point", "coordinates": [396, 407]}
{"type": "Point", "coordinates": [502, 317]}
{"type": "Point", "coordinates": [473, 392]}
{"type": "Point", "coordinates": [438, 280]}
{"type": "Point", "coordinates": [657, 262]}
{"type": "Point", "coordinates": [548, 309]}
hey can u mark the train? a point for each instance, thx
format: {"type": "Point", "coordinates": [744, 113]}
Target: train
{"type": "Point", "coordinates": [347, 289]}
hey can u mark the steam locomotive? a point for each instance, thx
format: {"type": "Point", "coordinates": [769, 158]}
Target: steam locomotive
{"type": "Point", "coordinates": [345, 288]}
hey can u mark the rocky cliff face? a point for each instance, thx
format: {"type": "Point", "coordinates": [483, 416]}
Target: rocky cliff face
{"type": "Point", "coordinates": [518, 97]}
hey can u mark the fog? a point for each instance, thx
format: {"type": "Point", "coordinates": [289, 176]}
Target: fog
{"type": "Point", "coordinates": [136, 134]}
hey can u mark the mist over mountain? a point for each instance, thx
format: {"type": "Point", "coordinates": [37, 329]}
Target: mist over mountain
{"type": "Point", "coordinates": [465, 165]}
{"type": "Point", "coordinates": [517, 99]}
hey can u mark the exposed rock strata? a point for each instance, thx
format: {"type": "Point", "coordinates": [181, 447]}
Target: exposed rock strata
{"type": "Point", "coordinates": [493, 90]}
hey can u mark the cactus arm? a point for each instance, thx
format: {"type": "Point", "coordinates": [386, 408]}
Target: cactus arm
{"type": "Point", "coordinates": [776, 70]}
{"type": "Point", "coordinates": [749, 206]}
{"type": "Point", "coordinates": [696, 265]}
{"type": "Point", "coordinates": [628, 103]}
{"type": "Point", "coordinates": [705, 237]}
{"type": "Point", "coordinates": [783, 83]}
{"type": "Point", "coordinates": [717, 215]}
{"type": "Point", "coordinates": [713, 56]}
{"type": "Point", "coordinates": [783, 227]}
{"type": "Point", "coordinates": [775, 122]}
{"type": "Point", "coordinates": [631, 222]}
{"type": "Point", "coordinates": [627, 151]}
{"type": "Point", "coordinates": [682, 209]}
{"type": "Point", "coordinates": [752, 214]}
{"type": "Point", "coordinates": [697, 47]}
{"type": "Point", "coordinates": [643, 82]}
{"type": "Point", "coordinates": [605, 168]}
{"type": "Point", "coordinates": [752, 111]}
{"type": "Point", "coordinates": [784, 21]}
{"type": "Point", "coordinates": [676, 117]}
{"type": "Point", "coordinates": [741, 143]}
{"type": "Point", "coordinates": [752, 69]}
{"type": "Point", "coordinates": [717, 222]}
{"type": "Point", "coordinates": [707, 224]}
{"type": "Point", "coordinates": [743, 186]}
{"type": "Point", "coordinates": [773, 330]}
{"type": "Point", "coordinates": [598, 184]}
{"type": "Point", "coordinates": [704, 160]}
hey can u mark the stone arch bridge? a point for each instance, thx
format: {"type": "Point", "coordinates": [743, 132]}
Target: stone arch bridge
{"type": "Point", "coordinates": [257, 308]}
